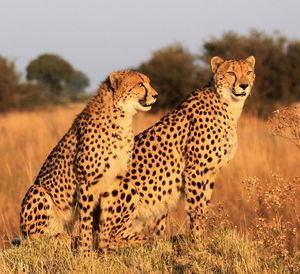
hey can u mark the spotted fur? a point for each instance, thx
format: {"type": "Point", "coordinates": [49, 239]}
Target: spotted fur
{"type": "Point", "coordinates": [178, 156]}
{"type": "Point", "coordinates": [95, 150]}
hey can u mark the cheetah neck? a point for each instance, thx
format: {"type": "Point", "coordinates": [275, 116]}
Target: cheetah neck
{"type": "Point", "coordinates": [234, 110]}
{"type": "Point", "coordinates": [103, 98]}
{"type": "Point", "coordinates": [125, 121]}
{"type": "Point", "coordinates": [102, 104]}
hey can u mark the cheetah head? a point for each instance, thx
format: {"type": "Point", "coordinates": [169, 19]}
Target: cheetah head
{"type": "Point", "coordinates": [233, 79]}
{"type": "Point", "coordinates": [132, 90]}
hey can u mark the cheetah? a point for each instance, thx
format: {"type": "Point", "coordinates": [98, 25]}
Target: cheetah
{"type": "Point", "coordinates": [95, 150]}
{"type": "Point", "coordinates": [179, 156]}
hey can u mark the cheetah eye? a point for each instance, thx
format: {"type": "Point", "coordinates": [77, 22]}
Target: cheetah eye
{"type": "Point", "coordinates": [231, 73]}
{"type": "Point", "coordinates": [248, 72]}
{"type": "Point", "coordinates": [140, 84]}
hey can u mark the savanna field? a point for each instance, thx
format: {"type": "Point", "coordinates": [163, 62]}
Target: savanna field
{"type": "Point", "coordinates": [253, 225]}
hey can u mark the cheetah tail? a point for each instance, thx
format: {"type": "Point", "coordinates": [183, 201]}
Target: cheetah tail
{"type": "Point", "coordinates": [16, 241]}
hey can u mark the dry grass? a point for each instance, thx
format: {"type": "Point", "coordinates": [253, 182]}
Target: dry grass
{"type": "Point", "coordinates": [260, 155]}
{"type": "Point", "coordinates": [229, 252]}
{"type": "Point", "coordinates": [263, 160]}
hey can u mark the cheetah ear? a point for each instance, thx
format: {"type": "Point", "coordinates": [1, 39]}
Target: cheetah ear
{"type": "Point", "coordinates": [114, 79]}
{"type": "Point", "coordinates": [215, 62]}
{"type": "Point", "coordinates": [251, 60]}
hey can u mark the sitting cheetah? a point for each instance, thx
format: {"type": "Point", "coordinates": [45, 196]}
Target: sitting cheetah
{"type": "Point", "coordinates": [181, 154]}
{"type": "Point", "coordinates": [95, 150]}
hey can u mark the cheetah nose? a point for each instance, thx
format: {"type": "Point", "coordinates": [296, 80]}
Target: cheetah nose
{"type": "Point", "coordinates": [155, 96]}
{"type": "Point", "coordinates": [244, 86]}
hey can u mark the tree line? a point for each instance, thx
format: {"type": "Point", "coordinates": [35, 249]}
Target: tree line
{"type": "Point", "coordinates": [173, 70]}
{"type": "Point", "coordinates": [50, 80]}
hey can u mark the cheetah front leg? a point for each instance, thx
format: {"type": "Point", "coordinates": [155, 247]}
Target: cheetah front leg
{"type": "Point", "coordinates": [158, 225]}
{"type": "Point", "coordinates": [198, 189]}
{"type": "Point", "coordinates": [88, 198]}
{"type": "Point", "coordinates": [117, 214]}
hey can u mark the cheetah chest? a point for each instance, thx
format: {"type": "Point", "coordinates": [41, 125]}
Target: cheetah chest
{"type": "Point", "coordinates": [229, 144]}
{"type": "Point", "coordinates": [122, 149]}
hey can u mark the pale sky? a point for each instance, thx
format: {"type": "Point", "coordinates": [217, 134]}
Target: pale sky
{"type": "Point", "coordinates": [98, 37]}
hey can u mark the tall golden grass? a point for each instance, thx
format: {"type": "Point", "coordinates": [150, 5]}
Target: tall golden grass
{"type": "Point", "coordinates": [28, 137]}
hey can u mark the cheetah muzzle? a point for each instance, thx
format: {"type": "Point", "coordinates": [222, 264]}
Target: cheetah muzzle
{"type": "Point", "coordinates": [238, 94]}
{"type": "Point", "coordinates": [143, 101]}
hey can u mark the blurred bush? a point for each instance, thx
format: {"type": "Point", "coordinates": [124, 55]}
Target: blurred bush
{"type": "Point", "coordinates": [51, 80]}
{"type": "Point", "coordinates": [174, 71]}
{"type": "Point", "coordinates": [9, 81]}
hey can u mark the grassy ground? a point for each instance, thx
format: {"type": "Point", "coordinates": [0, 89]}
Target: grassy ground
{"type": "Point", "coordinates": [229, 252]}
{"type": "Point", "coordinates": [258, 191]}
